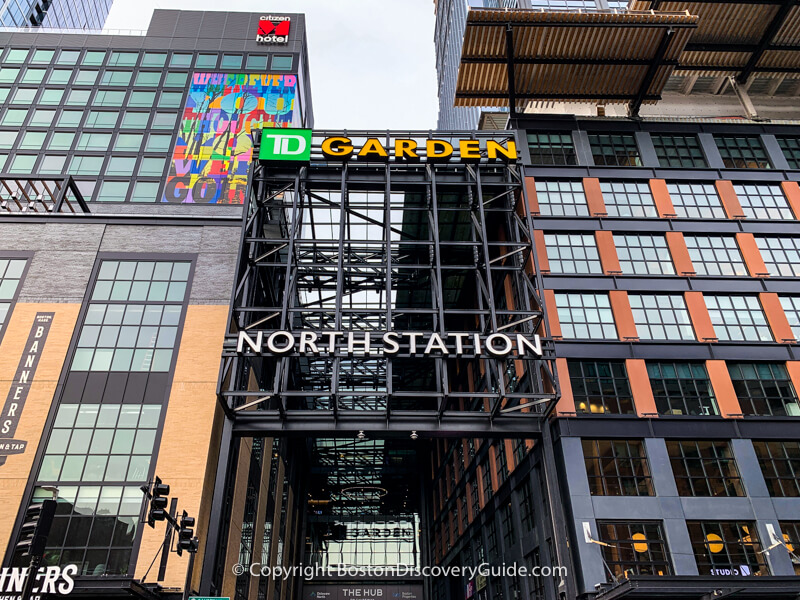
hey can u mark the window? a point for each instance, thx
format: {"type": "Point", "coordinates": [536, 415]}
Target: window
{"type": "Point", "coordinates": [170, 99]}
{"type": "Point", "coordinates": [7, 138]}
{"type": "Point", "coordinates": [147, 79]}
{"type": "Point", "coordinates": [572, 253]}
{"type": "Point", "coordinates": [33, 140]}
{"type": "Point", "coordinates": [42, 117]}
{"type": "Point", "coordinates": [500, 461]}
{"type": "Point", "coordinates": [643, 254]}
{"type": "Point", "coordinates": [164, 120]}
{"type": "Point", "coordinates": [70, 118]}
{"type": "Point", "coordinates": [86, 165]}
{"type": "Point", "coordinates": [628, 199]}
{"type": "Point", "coordinates": [121, 165]}
{"type": "Point", "coordinates": [742, 152]}
{"type": "Point", "coordinates": [527, 512]}
{"type": "Point", "coordinates": [85, 77]}
{"type": "Point", "coordinates": [61, 141]}
{"type": "Point", "coordinates": [34, 76]}
{"type": "Point", "coordinates": [11, 272]}
{"type": "Point", "coordinates": [781, 255]}
{"type": "Point", "coordinates": [151, 167]}
{"type": "Point", "coordinates": [68, 57]}
{"type": "Point", "coordinates": [616, 150]}
{"type": "Point", "coordinates": [94, 141]}
{"type": "Point", "coordinates": [206, 61]}
{"type": "Point", "coordinates": [158, 143]}
{"type": "Point", "coordinates": [14, 116]}
{"type": "Point", "coordinates": [600, 387]}
{"type": "Point", "coordinates": [181, 60]}
{"type": "Point", "coordinates": [617, 468]}
{"type": "Point", "coordinates": [109, 98]}
{"type": "Point", "coordinates": [791, 538]}
{"type": "Point", "coordinates": [763, 201]}
{"type": "Point", "coordinates": [4, 91]}
{"type": "Point", "coordinates": [117, 78]}
{"type": "Point", "coordinates": [633, 549]}
{"type": "Point", "coordinates": [59, 76]}
{"type": "Point", "coordinates": [764, 389]}
{"type": "Point", "coordinates": [9, 74]}
{"type": "Point", "coordinates": [135, 120]}
{"type": "Point", "coordinates": [123, 59]}
{"type": "Point", "coordinates": [51, 97]}
{"type": "Point", "coordinates": [113, 191]}
{"type": "Point", "coordinates": [231, 61]}
{"type": "Point", "coordinates": [704, 468]}
{"type": "Point", "coordinates": [715, 255]}
{"type": "Point", "coordinates": [552, 149]}
{"type": "Point", "coordinates": [101, 119]}
{"type": "Point", "coordinates": [791, 150]}
{"type": "Point", "coordinates": [561, 198]}
{"type": "Point", "coordinates": [661, 317]}
{"type": "Point", "coordinates": [145, 191]}
{"type": "Point", "coordinates": [129, 142]}
{"type": "Point", "coordinates": [154, 59]}
{"type": "Point", "coordinates": [16, 55]}
{"type": "Point", "coordinates": [486, 475]}
{"type": "Point", "coordinates": [94, 57]}
{"type": "Point", "coordinates": [738, 318]}
{"type": "Point", "coordinates": [679, 151]}
{"type": "Point", "coordinates": [586, 316]}
{"type": "Point", "coordinates": [681, 388]}
{"type": "Point", "coordinates": [52, 164]}
{"type": "Point", "coordinates": [507, 518]}
{"type": "Point", "coordinates": [132, 321]}
{"type": "Point", "coordinates": [791, 306]}
{"type": "Point", "coordinates": [696, 201]}
{"type": "Point", "coordinates": [42, 57]}
{"type": "Point", "coordinates": [726, 546]}
{"type": "Point", "coordinates": [22, 163]}
{"type": "Point", "coordinates": [282, 63]}
{"type": "Point", "coordinates": [256, 61]}
{"type": "Point", "coordinates": [780, 465]}
{"type": "Point", "coordinates": [23, 96]}
{"type": "Point", "coordinates": [78, 97]}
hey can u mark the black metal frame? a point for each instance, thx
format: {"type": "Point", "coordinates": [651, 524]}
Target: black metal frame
{"type": "Point", "coordinates": [35, 193]}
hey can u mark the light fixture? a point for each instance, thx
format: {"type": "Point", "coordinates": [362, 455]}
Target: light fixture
{"type": "Point", "coordinates": [361, 435]}
{"type": "Point", "coordinates": [414, 435]}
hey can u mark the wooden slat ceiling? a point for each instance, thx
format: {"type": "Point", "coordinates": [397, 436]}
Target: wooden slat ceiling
{"type": "Point", "coordinates": [579, 43]}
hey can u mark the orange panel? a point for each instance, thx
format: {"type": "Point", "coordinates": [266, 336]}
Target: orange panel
{"type": "Point", "coordinates": [565, 404]}
{"type": "Point", "coordinates": [776, 317]}
{"type": "Point", "coordinates": [752, 255]}
{"type": "Point", "coordinates": [793, 366]}
{"type": "Point", "coordinates": [623, 315]}
{"type": "Point", "coordinates": [730, 201]}
{"type": "Point", "coordinates": [533, 199]}
{"type": "Point", "coordinates": [720, 379]}
{"type": "Point", "coordinates": [640, 387]}
{"type": "Point", "coordinates": [698, 311]}
{"type": "Point", "coordinates": [661, 197]}
{"type": "Point", "coordinates": [541, 251]}
{"type": "Point", "coordinates": [552, 313]}
{"type": "Point", "coordinates": [594, 197]}
{"type": "Point", "coordinates": [680, 254]}
{"type": "Point", "coordinates": [792, 191]}
{"type": "Point", "coordinates": [608, 253]}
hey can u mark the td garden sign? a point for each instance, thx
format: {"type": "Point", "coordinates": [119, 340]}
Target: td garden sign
{"type": "Point", "coordinates": [296, 146]}
{"type": "Point", "coordinates": [388, 343]}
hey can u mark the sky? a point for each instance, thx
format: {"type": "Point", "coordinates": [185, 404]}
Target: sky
{"type": "Point", "coordinates": [372, 61]}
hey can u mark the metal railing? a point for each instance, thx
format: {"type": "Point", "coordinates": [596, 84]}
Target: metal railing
{"type": "Point", "coordinates": [57, 194]}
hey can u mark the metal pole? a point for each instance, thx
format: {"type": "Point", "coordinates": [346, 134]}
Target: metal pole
{"type": "Point", "coordinates": [187, 588]}
{"type": "Point", "coordinates": [33, 569]}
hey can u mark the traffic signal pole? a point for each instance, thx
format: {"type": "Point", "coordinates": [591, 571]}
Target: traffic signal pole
{"type": "Point", "coordinates": [33, 540]}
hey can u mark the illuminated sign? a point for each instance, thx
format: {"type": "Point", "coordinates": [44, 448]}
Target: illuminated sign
{"type": "Point", "coordinates": [287, 144]}
{"type": "Point", "coordinates": [388, 343]}
{"type": "Point", "coordinates": [273, 30]}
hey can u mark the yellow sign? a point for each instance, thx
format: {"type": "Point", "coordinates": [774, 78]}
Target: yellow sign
{"type": "Point", "coordinates": [408, 150]}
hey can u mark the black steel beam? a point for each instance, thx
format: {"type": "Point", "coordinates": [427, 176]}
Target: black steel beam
{"type": "Point", "coordinates": [477, 60]}
{"type": "Point", "coordinates": [735, 68]}
{"type": "Point", "coordinates": [512, 84]}
{"type": "Point", "coordinates": [623, 25]}
{"type": "Point", "coordinates": [744, 48]}
{"type": "Point", "coordinates": [772, 30]}
{"type": "Point", "coordinates": [647, 81]}
{"type": "Point", "coordinates": [525, 96]}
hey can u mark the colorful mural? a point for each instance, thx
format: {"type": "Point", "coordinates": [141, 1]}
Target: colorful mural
{"type": "Point", "coordinates": [215, 144]}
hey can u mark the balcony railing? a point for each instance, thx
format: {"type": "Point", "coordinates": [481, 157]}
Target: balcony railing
{"type": "Point", "coordinates": [31, 194]}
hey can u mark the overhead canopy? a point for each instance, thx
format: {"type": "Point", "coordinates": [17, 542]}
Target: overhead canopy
{"type": "Point", "coordinates": [738, 38]}
{"type": "Point", "coordinates": [511, 56]}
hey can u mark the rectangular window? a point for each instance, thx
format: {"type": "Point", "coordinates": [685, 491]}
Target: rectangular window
{"type": "Point", "coordinates": [628, 199]}
{"type": "Point", "coordinates": [780, 465]}
{"type": "Point", "coordinates": [500, 461]}
{"type": "Point", "coordinates": [42, 57]}
{"type": "Point", "coordinates": [51, 97]}
{"type": "Point", "coordinates": [86, 165]}
{"type": "Point", "coordinates": [113, 191]}
{"type": "Point", "coordinates": [695, 200]}
{"type": "Point", "coordinates": [129, 142]}
{"type": "Point", "coordinates": [586, 316]}
{"type": "Point", "coordinates": [164, 120]}
{"type": "Point", "coordinates": [206, 61]}
{"type": "Point", "coordinates": [617, 468]}
{"type": "Point", "coordinates": [176, 79]}
{"type": "Point", "coordinates": [109, 98]}
{"type": "Point", "coordinates": [742, 152]}
{"type": "Point", "coordinates": [704, 468]}
{"type": "Point", "coordinates": [151, 167]}
{"type": "Point", "coordinates": [133, 317]}
{"type": "Point", "coordinates": [22, 163]}
{"type": "Point", "coordinates": [85, 77]}
{"type": "Point", "coordinates": [58, 76]}
{"type": "Point", "coordinates": [94, 58]}
{"type": "Point", "coordinates": [791, 306]}
{"type": "Point", "coordinates": [723, 547]}
{"type": "Point", "coordinates": [764, 389]}
{"type": "Point", "coordinates": [552, 149]}
{"type": "Point", "coordinates": [78, 97]}
{"type": "Point", "coordinates": [616, 150]}
{"type": "Point", "coordinates": [715, 255]}
{"type": "Point", "coordinates": [121, 166]}
{"type": "Point", "coordinates": [158, 143]}
{"type": "Point", "coordinates": [681, 388]}
{"type": "Point", "coordinates": [116, 78]}
{"type": "Point", "coordinates": [68, 57]}
{"type": "Point", "coordinates": [123, 59]}
{"type": "Point", "coordinates": [154, 59]}
{"type": "Point", "coordinates": [633, 548]}
{"type": "Point", "coordinates": [135, 120]}
{"type": "Point", "coordinates": [9, 74]}
{"type": "Point", "coordinates": [147, 79]}
{"type": "Point", "coordinates": [661, 317]}
{"type": "Point", "coordinates": [256, 61]}
{"type": "Point", "coordinates": [231, 61]}
{"type": "Point", "coordinates": [61, 140]}
{"type": "Point", "coordinates": [11, 273]}
{"type": "Point", "coordinates": [52, 163]}
{"type": "Point", "coordinates": [781, 255]}
{"type": "Point", "coordinates": [600, 387]}
{"type": "Point", "coordinates": [101, 119]}
{"type": "Point", "coordinates": [34, 76]}
{"type": "Point", "coordinates": [561, 198]}
{"type": "Point", "coordinates": [486, 475]}
{"type": "Point", "coordinates": [170, 99]}
{"type": "Point", "coordinates": [94, 141]}
{"type": "Point", "coordinates": [572, 253]}
{"type": "Point", "coordinates": [738, 318]}
{"type": "Point", "coordinates": [145, 191]}
{"type": "Point", "coordinates": [7, 138]}
{"type": "Point", "coordinates": [16, 55]}
{"type": "Point", "coordinates": [791, 150]}
{"type": "Point", "coordinates": [509, 534]}
{"type": "Point", "coordinates": [14, 117]}
{"type": "Point", "coordinates": [70, 118]}
{"type": "Point", "coordinates": [33, 140]}
{"type": "Point", "coordinates": [23, 96]}
{"type": "Point", "coordinates": [282, 63]}
{"type": "Point", "coordinates": [763, 201]}
{"type": "Point", "coordinates": [527, 511]}
{"type": "Point", "coordinates": [791, 538]}
{"type": "Point", "coordinates": [679, 151]}
{"type": "Point", "coordinates": [643, 254]}
{"type": "Point", "coordinates": [42, 117]}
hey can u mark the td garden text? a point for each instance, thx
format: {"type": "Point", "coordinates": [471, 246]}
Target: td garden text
{"type": "Point", "coordinates": [365, 343]}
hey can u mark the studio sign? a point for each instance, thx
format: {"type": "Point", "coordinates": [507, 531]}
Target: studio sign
{"type": "Point", "coordinates": [314, 343]}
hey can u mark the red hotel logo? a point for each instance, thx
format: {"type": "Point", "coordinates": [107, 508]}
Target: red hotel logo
{"type": "Point", "coordinates": [273, 30]}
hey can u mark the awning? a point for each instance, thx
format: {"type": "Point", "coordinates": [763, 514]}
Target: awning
{"type": "Point", "coordinates": [512, 56]}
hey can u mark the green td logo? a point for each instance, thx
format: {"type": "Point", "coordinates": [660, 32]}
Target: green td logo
{"type": "Point", "coordinates": [286, 145]}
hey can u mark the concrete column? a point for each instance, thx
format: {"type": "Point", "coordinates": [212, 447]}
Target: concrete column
{"type": "Point", "coordinates": [646, 149]}
{"type": "Point", "coordinates": [775, 153]}
{"type": "Point", "coordinates": [711, 151]}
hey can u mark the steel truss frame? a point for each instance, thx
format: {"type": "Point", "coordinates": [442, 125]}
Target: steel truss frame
{"type": "Point", "coordinates": [387, 246]}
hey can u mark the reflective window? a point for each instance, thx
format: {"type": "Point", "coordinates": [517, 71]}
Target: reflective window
{"type": "Point", "coordinates": [615, 149]}
{"type": "Point", "coordinates": [118, 78]}
{"type": "Point", "coordinates": [681, 388]}
{"type": "Point", "coordinates": [586, 316]}
{"type": "Point", "coordinates": [94, 57]}
{"type": "Point", "coordinates": [617, 468]}
{"type": "Point", "coordinates": [22, 163]}
{"type": "Point", "coordinates": [715, 255]}
{"type": "Point", "coordinates": [572, 253]}
{"type": "Point", "coordinates": [101, 119]}
{"type": "Point", "coordinates": [552, 149]}
{"type": "Point", "coordinates": [281, 63]}
{"type": "Point", "coordinates": [123, 59]}
{"type": "Point", "coordinates": [93, 141]}
{"type": "Point", "coordinates": [109, 98]}
{"type": "Point", "coordinates": [742, 152]}
{"type": "Point", "coordinates": [780, 465]}
{"type": "Point", "coordinates": [113, 191]}
{"type": "Point", "coordinates": [704, 468]}
{"type": "Point", "coordinates": [11, 271]}
{"type": "Point", "coordinates": [231, 61]}
{"type": "Point", "coordinates": [51, 97]}
{"type": "Point", "coordinates": [61, 140]}
{"type": "Point", "coordinates": [763, 201]}
{"type": "Point", "coordinates": [727, 547]}
{"type": "Point", "coordinates": [154, 59]}
{"type": "Point", "coordinates": [177, 79]}
{"type": "Point", "coordinates": [52, 164]}
{"type": "Point", "coordinates": [661, 317]}
{"type": "Point", "coordinates": [86, 165]}
{"type": "Point", "coordinates": [791, 537]}
{"type": "Point", "coordinates": [696, 201]}
{"type": "Point", "coordinates": [679, 151]}
{"type": "Point", "coordinates": [206, 61]}
{"type": "Point", "coordinates": [764, 389]}
{"type": "Point", "coordinates": [147, 79]}
{"type": "Point", "coordinates": [791, 306]}
{"type": "Point", "coordinates": [180, 60]}
{"type": "Point", "coordinates": [643, 254]}
{"type": "Point", "coordinates": [121, 165]}
{"type": "Point", "coordinates": [738, 318]}
{"type": "Point", "coordinates": [633, 548]}
{"type": "Point", "coordinates": [561, 198]}
{"type": "Point", "coordinates": [78, 97]}
{"type": "Point", "coordinates": [781, 255]}
{"type": "Point", "coordinates": [791, 150]}
{"type": "Point", "coordinates": [628, 199]}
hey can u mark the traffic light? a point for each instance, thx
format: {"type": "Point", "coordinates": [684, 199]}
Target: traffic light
{"type": "Point", "coordinates": [36, 528]}
{"type": "Point", "coordinates": [186, 539]}
{"type": "Point", "coordinates": [158, 503]}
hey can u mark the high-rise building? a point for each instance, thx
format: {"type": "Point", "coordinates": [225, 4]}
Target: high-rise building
{"type": "Point", "coordinates": [661, 167]}
{"type": "Point", "coordinates": [55, 14]}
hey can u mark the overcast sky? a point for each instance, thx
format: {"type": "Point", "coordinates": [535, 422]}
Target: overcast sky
{"type": "Point", "coordinates": [372, 61]}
